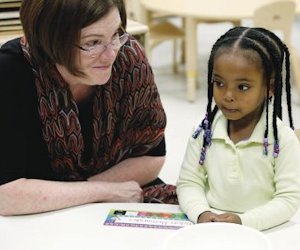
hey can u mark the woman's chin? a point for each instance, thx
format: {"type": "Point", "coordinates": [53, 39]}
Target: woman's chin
{"type": "Point", "coordinates": [99, 80]}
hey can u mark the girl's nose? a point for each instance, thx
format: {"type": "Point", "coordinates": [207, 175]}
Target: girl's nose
{"type": "Point", "coordinates": [229, 96]}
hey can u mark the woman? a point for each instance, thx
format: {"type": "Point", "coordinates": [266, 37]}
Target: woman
{"type": "Point", "coordinates": [82, 118]}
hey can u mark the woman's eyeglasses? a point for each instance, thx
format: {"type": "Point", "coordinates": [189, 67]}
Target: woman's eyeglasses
{"type": "Point", "coordinates": [97, 47]}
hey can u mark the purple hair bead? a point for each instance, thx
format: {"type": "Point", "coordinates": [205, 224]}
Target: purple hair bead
{"type": "Point", "coordinates": [202, 156]}
{"type": "Point", "coordinates": [197, 132]}
{"type": "Point", "coordinates": [276, 149]}
{"type": "Point", "coordinates": [266, 144]}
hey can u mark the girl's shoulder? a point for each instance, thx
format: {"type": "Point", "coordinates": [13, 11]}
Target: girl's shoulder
{"type": "Point", "coordinates": [297, 132]}
{"type": "Point", "coordinates": [285, 133]}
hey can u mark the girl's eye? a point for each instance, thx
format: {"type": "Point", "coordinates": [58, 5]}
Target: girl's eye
{"type": "Point", "coordinates": [218, 83]}
{"type": "Point", "coordinates": [243, 87]}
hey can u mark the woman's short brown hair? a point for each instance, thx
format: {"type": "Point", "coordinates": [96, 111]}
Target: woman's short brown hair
{"type": "Point", "coordinates": [52, 27]}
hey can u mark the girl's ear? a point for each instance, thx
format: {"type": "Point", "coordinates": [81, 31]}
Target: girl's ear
{"type": "Point", "coordinates": [271, 88]}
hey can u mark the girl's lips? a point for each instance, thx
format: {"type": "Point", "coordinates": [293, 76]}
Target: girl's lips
{"type": "Point", "coordinates": [227, 110]}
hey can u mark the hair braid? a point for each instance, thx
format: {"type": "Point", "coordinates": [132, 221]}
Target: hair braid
{"type": "Point", "coordinates": [288, 85]}
{"type": "Point", "coordinates": [274, 49]}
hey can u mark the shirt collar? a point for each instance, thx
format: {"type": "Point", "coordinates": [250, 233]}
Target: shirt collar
{"type": "Point", "coordinates": [220, 124]}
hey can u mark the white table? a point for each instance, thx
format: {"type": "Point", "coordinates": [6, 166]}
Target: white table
{"type": "Point", "coordinates": [82, 228]}
{"type": "Point", "coordinates": [195, 11]}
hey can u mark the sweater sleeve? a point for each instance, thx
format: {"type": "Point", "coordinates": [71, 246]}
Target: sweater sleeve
{"type": "Point", "coordinates": [23, 152]}
{"type": "Point", "coordinates": [12, 138]}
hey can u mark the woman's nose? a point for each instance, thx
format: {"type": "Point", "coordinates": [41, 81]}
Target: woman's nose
{"type": "Point", "coordinates": [109, 52]}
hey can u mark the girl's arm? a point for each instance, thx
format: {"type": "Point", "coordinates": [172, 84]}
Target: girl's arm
{"type": "Point", "coordinates": [191, 183]}
{"type": "Point", "coordinates": [286, 199]}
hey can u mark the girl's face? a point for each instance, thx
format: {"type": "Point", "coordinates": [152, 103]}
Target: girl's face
{"type": "Point", "coordinates": [97, 67]}
{"type": "Point", "coordinates": [239, 87]}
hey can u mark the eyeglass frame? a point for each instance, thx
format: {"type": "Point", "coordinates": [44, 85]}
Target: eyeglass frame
{"type": "Point", "coordinates": [105, 46]}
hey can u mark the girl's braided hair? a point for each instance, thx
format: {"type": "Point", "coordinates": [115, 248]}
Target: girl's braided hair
{"type": "Point", "coordinates": [272, 52]}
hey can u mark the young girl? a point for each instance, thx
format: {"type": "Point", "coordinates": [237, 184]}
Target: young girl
{"type": "Point", "coordinates": [242, 163]}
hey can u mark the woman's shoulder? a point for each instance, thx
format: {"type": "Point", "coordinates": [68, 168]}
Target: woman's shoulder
{"type": "Point", "coordinates": [132, 53]}
{"type": "Point", "coordinates": [132, 66]}
{"type": "Point", "coordinates": [11, 57]}
{"type": "Point", "coordinates": [11, 48]}
{"type": "Point", "coordinates": [15, 71]}
{"type": "Point", "coordinates": [12, 61]}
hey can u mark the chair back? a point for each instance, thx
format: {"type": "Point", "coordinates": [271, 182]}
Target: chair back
{"type": "Point", "coordinates": [276, 16]}
{"type": "Point", "coordinates": [160, 28]}
{"type": "Point", "coordinates": [297, 132]}
{"type": "Point", "coordinates": [280, 16]}
{"type": "Point", "coordinates": [136, 11]}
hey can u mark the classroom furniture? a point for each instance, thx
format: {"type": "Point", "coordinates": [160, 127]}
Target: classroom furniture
{"type": "Point", "coordinates": [139, 30]}
{"type": "Point", "coordinates": [160, 28]}
{"type": "Point", "coordinates": [10, 24]}
{"type": "Point", "coordinates": [83, 227]}
{"type": "Point", "coordinates": [9, 17]}
{"type": "Point", "coordinates": [297, 131]}
{"type": "Point", "coordinates": [197, 11]}
{"type": "Point", "coordinates": [279, 17]}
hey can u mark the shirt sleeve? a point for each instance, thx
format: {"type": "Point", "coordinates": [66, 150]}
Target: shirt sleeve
{"type": "Point", "coordinates": [286, 199]}
{"type": "Point", "coordinates": [192, 181]}
{"type": "Point", "coordinates": [192, 185]}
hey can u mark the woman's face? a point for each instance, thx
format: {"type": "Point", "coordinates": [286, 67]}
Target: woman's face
{"type": "Point", "coordinates": [96, 66]}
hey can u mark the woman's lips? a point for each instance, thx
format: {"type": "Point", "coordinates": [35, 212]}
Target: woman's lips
{"type": "Point", "coordinates": [103, 67]}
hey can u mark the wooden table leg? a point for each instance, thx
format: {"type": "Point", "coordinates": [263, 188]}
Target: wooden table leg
{"type": "Point", "coordinates": [191, 57]}
{"type": "Point", "coordinates": [295, 69]}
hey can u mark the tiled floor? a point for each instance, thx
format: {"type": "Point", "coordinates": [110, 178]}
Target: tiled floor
{"type": "Point", "coordinates": [183, 115]}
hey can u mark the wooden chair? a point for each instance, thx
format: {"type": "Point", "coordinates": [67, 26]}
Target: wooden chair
{"type": "Point", "coordinates": [280, 16]}
{"type": "Point", "coordinates": [160, 29]}
{"type": "Point", "coordinates": [10, 24]}
{"type": "Point", "coordinates": [140, 31]}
